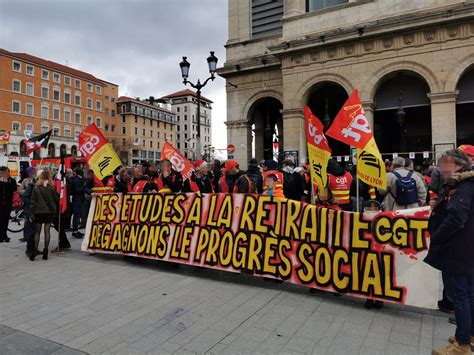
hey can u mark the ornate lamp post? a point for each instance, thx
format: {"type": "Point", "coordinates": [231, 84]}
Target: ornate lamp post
{"type": "Point", "coordinates": [184, 65]}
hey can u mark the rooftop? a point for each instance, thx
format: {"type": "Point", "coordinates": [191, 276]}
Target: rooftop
{"type": "Point", "coordinates": [54, 66]}
{"type": "Point", "coordinates": [122, 99]}
{"type": "Point", "coordinates": [184, 93]}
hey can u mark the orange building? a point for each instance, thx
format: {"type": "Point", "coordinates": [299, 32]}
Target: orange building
{"type": "Point", "coordinates": [144, 125]}
{"type": "Point", "coordinates": [37, 95]}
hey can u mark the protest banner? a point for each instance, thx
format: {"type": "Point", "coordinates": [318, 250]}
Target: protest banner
{"type": "Point", "coordinates": [378, 256]}
{"type": "Point", "coordinates": [319, 152]}
{"type": "Point", "coordinates": [178, 161]}
{"type": "Point", "coordinates": [352, 127]}
{"type": "Point", "coordinates": [100, 155]}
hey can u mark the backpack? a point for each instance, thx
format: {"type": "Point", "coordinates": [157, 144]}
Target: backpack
{"type": "Point", "coordinates": [406, 192]}
{"type": "Point", "coordinates": [257, 182]}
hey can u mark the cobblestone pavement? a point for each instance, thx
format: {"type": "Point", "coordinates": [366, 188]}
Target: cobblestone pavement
{"type": "Point", "coordinates": [107, 304]}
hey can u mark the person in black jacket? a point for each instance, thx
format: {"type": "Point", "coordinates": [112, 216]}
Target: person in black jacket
{"type": "Point", "coordinates": [77, 196]}
{"type": "Point", "coordinates": [121, 180]}
{"type": "Point", "coordinates": [7, 187]}
{"type": "Point", "coordinates": [293, 182]}
{"type": "Point", "coordinates": [199, 180]}
{"type": "Point", "coordinates": [216, 173]}
{"type": "Point", "coordinates": [168, 180]}
{"type": "Point", "coordinates": [451, 226]}
{"type": "Point", "coordinates": [88, 186]}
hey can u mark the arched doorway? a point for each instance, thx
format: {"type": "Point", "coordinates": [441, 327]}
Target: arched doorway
{"type": "Point", "coordinates": [51, 150]}
{"type": "Point", "coordinates": [465, 108]}
{"type": "Point", "coordinates": [74, 151]}
{"type": "Point", "coordinates": [267, 124]}
{"type": "Point", "coordinates": [402, 117]}
{"type": "Point", "coordinates": [325, 99]}
{"type": "Point", "coordinates": [62, 150]}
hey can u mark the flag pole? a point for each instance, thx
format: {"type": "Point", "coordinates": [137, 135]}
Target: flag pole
{"type": "Point", "coordinates": [357, 192]}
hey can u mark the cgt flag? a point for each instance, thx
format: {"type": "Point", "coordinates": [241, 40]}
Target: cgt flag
{"type": "Point", "coordinates": [35, 143]}
{"type": "Point", "coordinates": [178, 161]}
{"type": "Point", "coordinates": [318, 149]}
{"type": "Point", "coordinates": [352, 127]}
{"type": "Point", "coordinates": [100, 155]}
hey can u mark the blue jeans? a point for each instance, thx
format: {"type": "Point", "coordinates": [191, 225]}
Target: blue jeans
{"type": "Point", "coordinates": [460, 291]}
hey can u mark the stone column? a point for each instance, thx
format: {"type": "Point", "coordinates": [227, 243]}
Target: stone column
{"type": "Point", "coordinates": [443, 120]}
{"type": "Point", "coordinates": [294, 7]}
{"type": "Point", "coordinates": [294, 133]}
{"type": "Point", "coordinates": [239, 133]}
{"type": "Point", "coordinates": [369, 108]}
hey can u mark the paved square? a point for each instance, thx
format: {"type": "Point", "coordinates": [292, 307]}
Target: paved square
{"type": "Point", "coordinates": [76, 302]}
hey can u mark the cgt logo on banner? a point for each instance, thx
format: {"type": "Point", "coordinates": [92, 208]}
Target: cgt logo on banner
{"type": "Point", "coordinates": [380, 257]}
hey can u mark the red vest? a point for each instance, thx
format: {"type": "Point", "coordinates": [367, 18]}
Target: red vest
{"type": "Point", "coordinates": [340, 187]}
{"type": "Point", "coordinates": [223, 187]}
{"type": "Point", "coordinates": [139, 186]}
{"type": "Point", "coordinates": [162, 188]}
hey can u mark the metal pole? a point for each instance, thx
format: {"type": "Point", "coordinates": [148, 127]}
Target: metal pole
{"type": "Point", "coordinates": [198, 136]}
{"type": "Point", "coordinates": [357, 191]}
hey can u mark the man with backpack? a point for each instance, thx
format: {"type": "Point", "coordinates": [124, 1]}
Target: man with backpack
{"type": "Point", "coordinates": [254, 176]}
{"type": "Point", "coordinates": [404, 190]}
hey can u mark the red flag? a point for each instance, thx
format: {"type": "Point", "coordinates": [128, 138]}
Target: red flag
{"type": "Point", "coordinates": [178, 161]}
{"type": "Point", "coordinates": [314, 130]}
{"type": "Point", "coordinates": [319, 152]}
{"type": "Point", "coordinates": [350, 125]}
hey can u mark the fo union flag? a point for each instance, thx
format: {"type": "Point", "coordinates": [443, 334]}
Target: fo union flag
{"type": "Point", "coordinates": [178, 161]}
{"type": "Point", "coordinates": [100, 155]}
{"type": "Point", "coordinates": [352, 127]}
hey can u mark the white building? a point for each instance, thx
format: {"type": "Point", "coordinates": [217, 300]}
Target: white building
{"type": "Point", "coordinates": [184, 104]}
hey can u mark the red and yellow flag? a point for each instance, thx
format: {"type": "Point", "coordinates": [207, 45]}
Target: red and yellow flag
{"type": "Point", "coordinates": [318, 149]}
{"type": "Point", "coordinates": [352, 127]}
{"type": "Point", "coordinates": [100, 155]}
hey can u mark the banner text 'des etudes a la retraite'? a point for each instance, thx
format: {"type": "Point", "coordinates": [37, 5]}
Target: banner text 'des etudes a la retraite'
{"type": "Point", "coordinates": [378, 257]}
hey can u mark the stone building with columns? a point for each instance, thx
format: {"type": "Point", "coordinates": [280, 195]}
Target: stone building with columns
{"type": "Point", "coordinates": [412, 62]}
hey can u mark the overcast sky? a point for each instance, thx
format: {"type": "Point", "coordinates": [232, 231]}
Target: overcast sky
{"type": "Point", "coordinates": [136, 44]}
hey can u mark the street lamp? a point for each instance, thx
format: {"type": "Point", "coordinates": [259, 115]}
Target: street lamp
{"type": "Point", "coordinates": [401, 114]}
{"type": "Point", "coordinates": [184, 65]}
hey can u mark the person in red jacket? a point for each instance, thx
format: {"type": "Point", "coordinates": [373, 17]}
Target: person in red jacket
{"type": "Point", "coordinates": [340, 185]}
{"type": "Point", "coordinates": [200, 180]}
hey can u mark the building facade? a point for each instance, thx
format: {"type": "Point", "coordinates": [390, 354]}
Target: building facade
{"type": "Point", "coordinates": [144, 126]}
{"type": "Point", "coordinates": [413, 57]}
{"type": "Point", "coordinates": [38, 95]}
{"type": "Point", "coordinates": [184, 105]}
